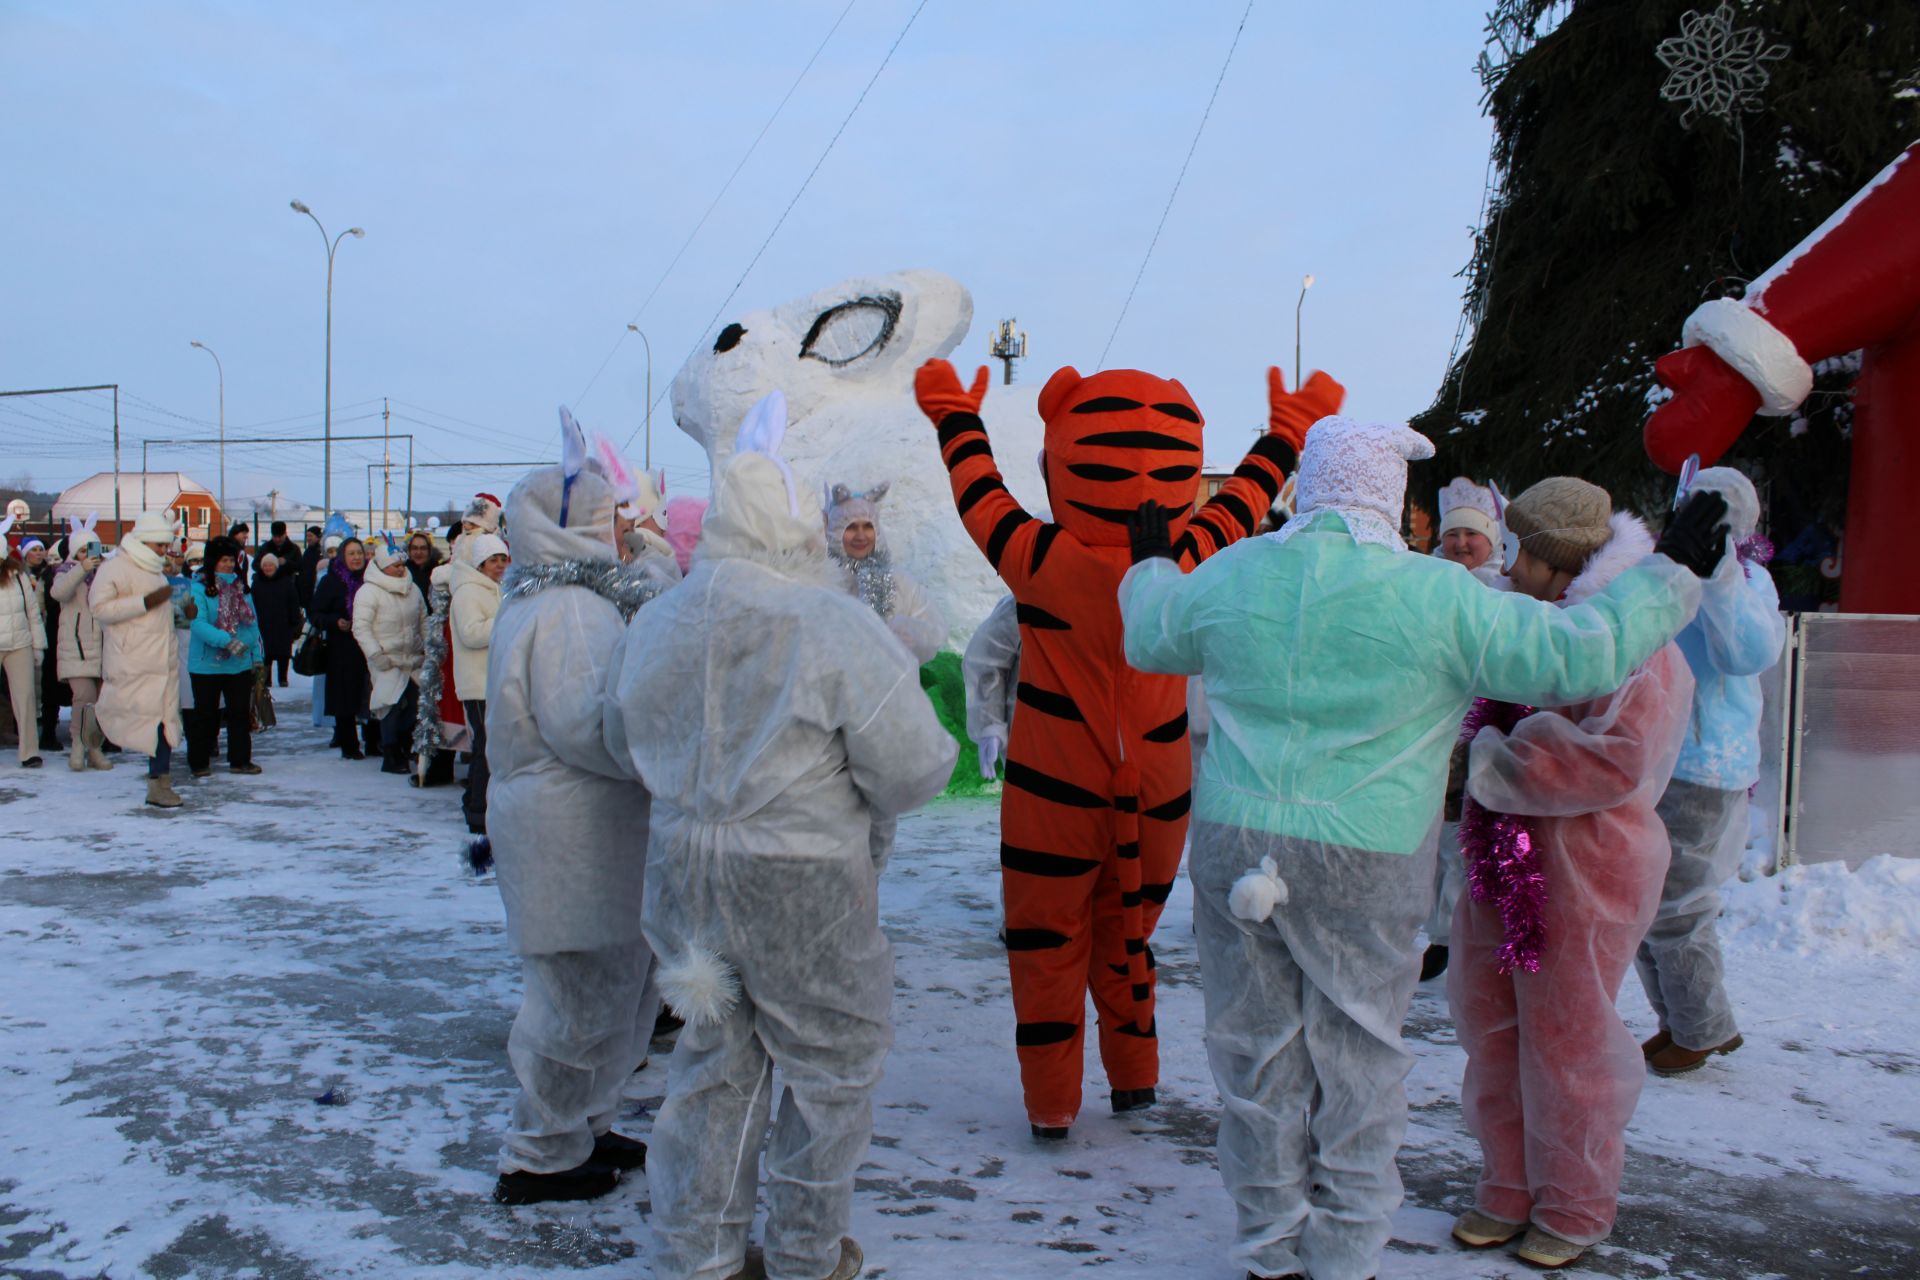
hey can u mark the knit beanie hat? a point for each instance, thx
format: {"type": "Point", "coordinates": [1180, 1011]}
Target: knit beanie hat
{"type": "Point", "coordinates": [1466, 505]}
{"type": "Point", "coordinates": [1561, 521]}
{"type": "Point", "coordinates": [482, 547]}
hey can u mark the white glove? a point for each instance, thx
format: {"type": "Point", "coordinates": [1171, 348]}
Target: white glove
{"type": "Point", "coordinates": [993, 748]}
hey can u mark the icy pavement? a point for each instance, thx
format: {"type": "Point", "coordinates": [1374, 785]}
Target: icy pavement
{"type": "Point", "coordinates": [182, 987]}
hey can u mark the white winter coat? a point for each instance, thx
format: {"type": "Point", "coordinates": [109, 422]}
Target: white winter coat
{"type": "Point", "coordinates": [140, 666]}
{"type": "Point", "coordinates": [475, 602]}
{"type": "Point", "coordinates": [386, 625]}
{"type": "Point", "coordinates": [22, 620]}
{"type": "Point", "coordinates": [79, 632]}
{"type": "Point", "coordinates": [567, 821]}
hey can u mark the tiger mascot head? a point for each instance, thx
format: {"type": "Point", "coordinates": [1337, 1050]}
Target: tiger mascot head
{"type": "Point", "coordinates": [1114, 441]}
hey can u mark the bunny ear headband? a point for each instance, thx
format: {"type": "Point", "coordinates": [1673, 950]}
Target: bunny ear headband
{"type": "Point", "coordinates": [761, 431]}
{"type": "Point", "coordinates": [573, 459]}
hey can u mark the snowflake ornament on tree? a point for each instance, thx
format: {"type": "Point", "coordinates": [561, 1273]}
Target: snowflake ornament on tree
{"type": "Point", "coordinates": [1718, 69]}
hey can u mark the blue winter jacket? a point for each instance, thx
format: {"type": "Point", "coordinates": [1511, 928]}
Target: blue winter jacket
{"type": "Point", "coordinates": [1736, 636]}
{"type": "Point", "coordinates": [207, 651]}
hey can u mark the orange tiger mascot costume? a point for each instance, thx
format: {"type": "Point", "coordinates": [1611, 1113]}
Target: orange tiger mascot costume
{"type": "Point", "coordinates": [1099, 778]}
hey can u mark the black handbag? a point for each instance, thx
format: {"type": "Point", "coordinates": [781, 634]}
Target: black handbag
{"type": "Point", "coordinates": [310, 652]}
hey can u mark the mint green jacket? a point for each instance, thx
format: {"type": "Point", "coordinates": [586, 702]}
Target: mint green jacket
{"type": "Point", "coordinates": [1338, 673]}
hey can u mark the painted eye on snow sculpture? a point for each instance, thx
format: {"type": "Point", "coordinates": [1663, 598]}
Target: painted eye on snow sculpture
{"type": "Point", "coordinates": [729, 338]}
{"type": "Point", "coordinates": [849, 330]}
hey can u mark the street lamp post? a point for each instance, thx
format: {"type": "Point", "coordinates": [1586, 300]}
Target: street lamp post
{"type": "Point", "coordinates": [1306, 283]}
{"type": "Point", "coordinates": [221, 373]}
{"type": "Point", "coordinates": [326, 484]}
{"type": "Point", "coordinates": [648, 461]}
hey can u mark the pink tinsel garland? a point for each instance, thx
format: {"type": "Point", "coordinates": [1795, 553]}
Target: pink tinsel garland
{"type": "Point", "coordinates": [1753, 549]}
{"type": "Point", "coordinates": [1503, 865]}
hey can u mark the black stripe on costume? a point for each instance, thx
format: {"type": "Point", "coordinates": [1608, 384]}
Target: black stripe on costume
{"type": "Point", "coordinates": [1152, 964]}
{"type": "Point", "coordinates": [955, 425]}
{"type": "Point", "coordinates": [977, 492]}
{"type": "Point", "coordinates": [1174, 409]}
{"type": "Point", "coordinates": [1112, 515]}
{"type": "Point", "coordinates": [1172, 731]}
{"type": "Point", "coordinates": [1185, 547]}
{"type": "Point", "coordinates": [1233, 506]}
{"type": "Point", "coordinates": [1151, 1033]}
{"type": "Point", "coordinates": [1127, 804]}
{"type": "Point", "coordinates": [1136, 945]}
{"type": "Point", "coordinates": [1058, 705]}
{"type": "Point", "coordinates": [997, 540]}
{"type": "Point", "coordinates": [1119, 970]}
{"type": "Point", "coordinates": [1035, 939]}
{"type": "Point", "coordinates": [1051, 788]}
{"type": "Point", "coordinates": [1273, 449]}
{"type": "Point", "coordinates": [1259, 475]}
{"type": "Point", "coordinates": [1032, 615]}
{"type": "Point", "coordinates": [1141, 440]}
{"type": "Point", "coordinates": [1128, 899]}
{"type": "Point", "coordinates": [1107, 404]}
{"type": "Point", "coordinates": [1034, 1035]}
{"type": "Point", "coordinates": [1156, 893]}
{"type": "Point", "coordinates": [1035, 863]}
{"type": "Point", "coordinates": [1174, 474]}
{"type": "Point", "coordinates": [1127, 851]}
{"type": "Point", "coordinates": [1221, 537]}
{"type": "Point", "coordinates": [1143, 991]}
{"type": "Point", "coordinates": [1174, 808]}
{"type": "Point", "coordinates": [1042, 541]}
{"type": "Point", "coordinates": [968, 449]}
{"type": "Point", "coordinates": [1100, 471]}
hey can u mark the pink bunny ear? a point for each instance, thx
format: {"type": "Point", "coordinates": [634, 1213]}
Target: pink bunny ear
{"type": "Point", "coordinates": [626, 485]}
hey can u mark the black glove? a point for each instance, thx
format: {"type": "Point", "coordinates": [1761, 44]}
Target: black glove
{"type": "Point", "coordinates": [1148, 533]}
{"type": "Point", "coordinates": [1697, 535]}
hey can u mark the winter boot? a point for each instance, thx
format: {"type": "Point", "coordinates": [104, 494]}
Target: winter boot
{"type": "Point", "coordinates": [1544, 1249]}
{"type": "Point", "coordinates": [1655, 1043]}
{"type": "Point", "coordinates": [754, 1268]}
{"type": "Point", "coordinates": [852, 1261]}
{"type": "Point", "coordinates": [96, 757]}
{"type": "Point", "coordinates": [77, 753]}
{"type": "Point", "coordinates": [1476, 1230]}
{"type": "Point", "coordinates": [394, 760]}
{"type": "Point", "coordinates": [618, 1151]}
{"type": "Point", "coordinates": [1677, 1060]}
{"type": "Point", "coordinates": [1125, 1100]}
{"type": "Point", "coordinates": [1050, 1132]}
{"type": "Point", "coordinates": [161, 795]}
{"type": "Point", "coordinates": [439, 770]}
{"type": "Point", "coordinates": [587, 1181]}
{"type": "Point", "coordinates": [371, 731]}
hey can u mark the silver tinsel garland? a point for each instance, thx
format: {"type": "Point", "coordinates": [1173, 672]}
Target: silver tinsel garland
{"type": "Point", "coordinates": [625, 587]}
{"type": "Point", "coordinates": [872, 579]}
{"type": "Point", "coordinates": [426, 725]}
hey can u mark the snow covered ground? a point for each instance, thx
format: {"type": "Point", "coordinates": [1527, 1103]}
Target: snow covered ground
{"type": "Point", "coordinates": [181, 988]}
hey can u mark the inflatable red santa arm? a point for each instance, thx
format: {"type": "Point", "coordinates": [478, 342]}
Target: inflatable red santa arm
{"type": "Point", "coordinates": [1853, 284]}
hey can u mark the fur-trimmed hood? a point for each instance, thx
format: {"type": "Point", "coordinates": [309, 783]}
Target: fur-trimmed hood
{"type": "Point", "coordinates": [1631, 543]}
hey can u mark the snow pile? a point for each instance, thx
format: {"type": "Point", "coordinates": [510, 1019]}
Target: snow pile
{"type": "Point", "coordinates": [1825, 909]}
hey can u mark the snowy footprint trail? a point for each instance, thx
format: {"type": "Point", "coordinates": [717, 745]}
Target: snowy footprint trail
{"type": "Point", "coordinates": [183, 990]}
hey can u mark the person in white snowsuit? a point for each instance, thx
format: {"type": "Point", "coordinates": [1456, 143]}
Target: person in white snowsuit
{"type": "Point", "coordinates": [568, 826]}
{"type": "Point", "coordinates": [990, 673]}
{"type": "Point", "coordinates": [1338, 669]}
{"type": "Point", "coordinates": [773, 720]}
{"type": "Point", "coordinates": [1737, 636]}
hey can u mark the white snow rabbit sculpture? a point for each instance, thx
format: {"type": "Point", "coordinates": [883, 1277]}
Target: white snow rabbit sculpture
{"type": "Point", "coordinates": [845, 358]}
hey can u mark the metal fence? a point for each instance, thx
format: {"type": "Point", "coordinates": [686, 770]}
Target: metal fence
{"type": "Point", "coordinates": [1847, 760]}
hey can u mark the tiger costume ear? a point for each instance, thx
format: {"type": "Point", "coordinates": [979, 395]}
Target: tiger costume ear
{"type": "Point", "coordinates": [1061, 385]}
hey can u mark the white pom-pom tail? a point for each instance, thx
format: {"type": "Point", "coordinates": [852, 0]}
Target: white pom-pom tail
{"type": "Point", "coordinates": [1255, 894]}
{"type": "Point", "coordinates": [701, 986]}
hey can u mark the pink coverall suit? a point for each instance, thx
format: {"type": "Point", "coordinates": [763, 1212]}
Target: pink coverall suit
{"type": "Point", "coordinates": [1552, 1073]}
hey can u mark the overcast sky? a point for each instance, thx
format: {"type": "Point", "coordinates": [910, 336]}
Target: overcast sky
{"type": "Point", "coordinates": [525, 174]}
